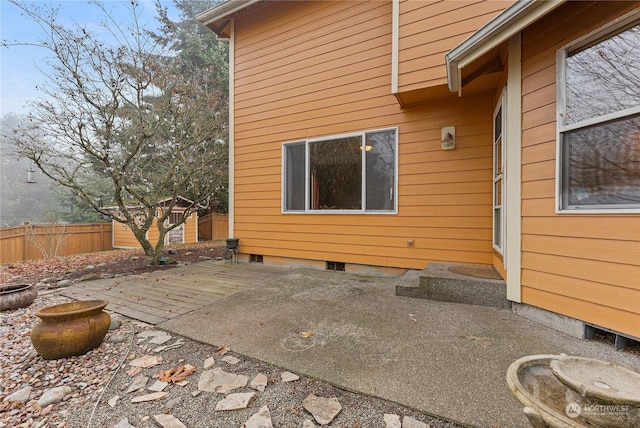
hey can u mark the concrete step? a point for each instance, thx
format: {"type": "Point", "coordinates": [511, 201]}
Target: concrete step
{"type": "Point", "coordinates": [460, 283]}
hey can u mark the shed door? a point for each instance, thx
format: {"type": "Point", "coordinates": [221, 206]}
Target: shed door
{"type": "Point", "coordinates": [498, 176]}
{"type": "Point", "coordinates": [176, 236]}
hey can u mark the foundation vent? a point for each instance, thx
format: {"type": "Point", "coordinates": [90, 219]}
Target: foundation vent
{"type": "Point", "coordinates": [255, 258]}
{"type": "Point", "coordinates": [337, 266]}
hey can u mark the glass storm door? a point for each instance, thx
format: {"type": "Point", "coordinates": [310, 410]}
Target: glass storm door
{"type": "Point", "coordinates": [498, 176]}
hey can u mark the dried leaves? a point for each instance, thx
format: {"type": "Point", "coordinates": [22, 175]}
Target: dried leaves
{"type": "Point", "coordinates": [177, 374]}
{"type": "Point", "coordinates": [222, 350]}
{"type": "Point", "coordinates": [59, 265]}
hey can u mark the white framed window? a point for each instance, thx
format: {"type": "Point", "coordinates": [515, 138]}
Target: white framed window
{"type": "Point", "coordinates": [598, 120]}
{"type": "Point", "coordinates": [174, 217]}
{"type": "Point", "coordinates": [349, 173]}
{"type": "Point", "coordinates": [499, 163]}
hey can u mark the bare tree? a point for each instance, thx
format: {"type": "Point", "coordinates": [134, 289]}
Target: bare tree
{"type": "Point", "coordinates": [48, 237]}
{"type": "Point", "coordinates": [124, 126]}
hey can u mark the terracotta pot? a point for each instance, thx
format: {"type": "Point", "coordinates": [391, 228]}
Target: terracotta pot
{"type": "Point", "coordinates": [70, 329]}
{"type": "Point", "coordinates": [16, 296]}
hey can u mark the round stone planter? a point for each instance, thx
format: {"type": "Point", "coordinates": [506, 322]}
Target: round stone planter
{"type": "Point", "coordinates": [70, 329]}
{"type": "Point", "coordinates": [16, 296]}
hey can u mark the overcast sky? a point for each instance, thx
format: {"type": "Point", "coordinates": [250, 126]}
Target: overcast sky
{"type": "Point", "coordinates": [19, 72]}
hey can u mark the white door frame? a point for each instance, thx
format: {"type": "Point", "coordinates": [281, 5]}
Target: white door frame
{"type": "Point", "coordinates": [513, 167]}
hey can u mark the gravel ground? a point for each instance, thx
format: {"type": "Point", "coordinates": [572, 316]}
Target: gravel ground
{"type": "Point", "coordinates": [100, 375]}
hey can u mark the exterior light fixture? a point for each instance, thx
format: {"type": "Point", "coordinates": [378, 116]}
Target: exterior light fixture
{"type": "Point", "coordinates": [448, 138]}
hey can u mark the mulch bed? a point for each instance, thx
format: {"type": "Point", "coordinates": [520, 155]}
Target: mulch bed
{"type": "Point", "coordinates": [106, 263]}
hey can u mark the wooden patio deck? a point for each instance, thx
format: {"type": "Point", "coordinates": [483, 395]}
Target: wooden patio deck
{"type": "Point", "coordinates": [159, 296]}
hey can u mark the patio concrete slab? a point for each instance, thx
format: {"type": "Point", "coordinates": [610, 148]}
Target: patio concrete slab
{"type": "Point", "coordinates": [445, 359]}
{"type": "Point", "coordinates": [162, 295]}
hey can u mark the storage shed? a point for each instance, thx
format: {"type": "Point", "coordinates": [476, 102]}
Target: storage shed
{"type": "Point", "coordinates": [186, 233]}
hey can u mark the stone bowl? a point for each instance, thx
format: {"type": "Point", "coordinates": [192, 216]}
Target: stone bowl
{"type": "Point", "coordinates": [607, 393]}
{"type": "Point", "coordinates": [15, 296]}
{"type": "Point", "coordinates": [541, 393]}
{"type": "Point", "coordinates": [560, 391]}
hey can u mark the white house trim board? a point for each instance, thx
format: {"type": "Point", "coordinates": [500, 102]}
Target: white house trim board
{"type": "Point", "coordinates": [231, 191]}
{"type": "Point", "coordinates": [513, 170]}
{"type": "Point", "coordinates": [395, 34]}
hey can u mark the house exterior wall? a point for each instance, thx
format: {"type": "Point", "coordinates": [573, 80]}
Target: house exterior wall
{"type": "Point", "coordinates": [314, 69]}
{"type": "Point", "coordinates": [583, 266]}
{"type": "Point", "coordinates": [429, 29]}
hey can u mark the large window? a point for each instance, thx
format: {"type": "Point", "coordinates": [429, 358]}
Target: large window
{"type": "Point", "coordinates": [346, 173]}
{"type": "Point", "coordinates": [599, 121]}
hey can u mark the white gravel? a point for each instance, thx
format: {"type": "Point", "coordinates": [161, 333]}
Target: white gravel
{"type": "Point", "coordinates": [100, 376]}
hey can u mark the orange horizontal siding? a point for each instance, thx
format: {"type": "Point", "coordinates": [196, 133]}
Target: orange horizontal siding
{"type": "Point", "coordinates": [595, 313]}
{"type": "Point", "coordinates": [429, 29]}
{"type": "Point", "coordinates": [368, 231]}
{"type": "Point", "coordinates": [606, 250]}
{"type": "Point", "coordinates": [617, 228]}
{"type": "Point", "coordinates": [538, 153]}
{"type": "Point", "coordinates": [583, 266]}
{"type": "Point", "coordinates": [123, 237]}
{"type": "Point", "coordinates": [293, 25]}
{"type": "Point", "coordinates": [539, 170]}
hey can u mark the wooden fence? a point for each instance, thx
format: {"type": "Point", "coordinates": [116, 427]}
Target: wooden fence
{"type": "Point", "coordinates": [213, 226]}
{"type": "Point", "coordinates": [20, 243]}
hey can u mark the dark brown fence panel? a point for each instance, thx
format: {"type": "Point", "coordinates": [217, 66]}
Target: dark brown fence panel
{"type": "Point", "coordinates": [19, 243]}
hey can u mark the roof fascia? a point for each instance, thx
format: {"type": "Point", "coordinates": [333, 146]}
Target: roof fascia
{"type": "Point", "coordinates": [511, 21]}
{"type": "Point", "coordinates": [223, 11]}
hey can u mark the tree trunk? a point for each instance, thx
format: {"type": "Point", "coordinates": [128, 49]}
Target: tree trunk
{"type": "Point", "coordinates": [152, 253]}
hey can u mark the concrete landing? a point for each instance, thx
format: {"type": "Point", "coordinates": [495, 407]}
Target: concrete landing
{"type": "Point", "coordinates": [459, 283]}
{"type": "Point", "coordinates": [162, 295]}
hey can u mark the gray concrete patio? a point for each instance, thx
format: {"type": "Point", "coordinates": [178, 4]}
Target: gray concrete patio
{"type": "Point", "coordinates": [444, 359]}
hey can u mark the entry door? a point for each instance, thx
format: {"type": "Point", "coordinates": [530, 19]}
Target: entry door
{"type": "Point", "coordinates": [498, 175]}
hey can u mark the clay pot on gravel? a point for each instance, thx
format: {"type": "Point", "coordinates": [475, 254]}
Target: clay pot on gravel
{"type": "Point", "coordinates": [16, 296]}
{"type": "Point", "coordinates": [70, 328]}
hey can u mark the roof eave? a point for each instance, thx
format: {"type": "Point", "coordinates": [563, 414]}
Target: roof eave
{"type": "Point", "coordinates": [222, 12]}
{"type": "Point", "coordinates": [511, 21]}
